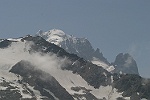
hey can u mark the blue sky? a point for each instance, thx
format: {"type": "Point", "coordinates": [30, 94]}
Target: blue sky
{"type": "Point", "coordinates": [114, 26]}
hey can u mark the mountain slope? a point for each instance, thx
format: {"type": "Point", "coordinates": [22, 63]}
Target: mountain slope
{"type": "Point", "coordinates": [80, 46]}
{"type": "Point", "coordinates": [36, 70]}
{"type": "Point", "coordinates": [83, 48]}
{"type": "Point", "coordinates": [46, 84]}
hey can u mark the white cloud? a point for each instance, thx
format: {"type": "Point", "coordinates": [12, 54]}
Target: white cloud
{"type": "Point", "coordinates": [20, 51]}
{"type": "Point", "coordinates": [128, 62]}
{"type": "Point", "coordinates": [133, 49]}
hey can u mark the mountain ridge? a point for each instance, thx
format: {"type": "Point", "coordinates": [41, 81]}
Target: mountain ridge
{"type": "Point", "coordinates": [79, 77]}
{"type": "Point", "coordinates": [83, 48]}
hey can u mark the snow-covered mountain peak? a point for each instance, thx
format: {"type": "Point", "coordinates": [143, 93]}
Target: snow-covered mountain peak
{"type": "Point", "coordinates": [80, 46]}
{"type": "Point", "coordinates": [55, 36]}
{"type": "Point", "coordinates": [83, 48]}
{"type": "Point", "coordinates": [55, 32]}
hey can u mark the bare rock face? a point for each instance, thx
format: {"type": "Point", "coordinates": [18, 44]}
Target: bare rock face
{"type": "Point", "coordinates": [124, 63]}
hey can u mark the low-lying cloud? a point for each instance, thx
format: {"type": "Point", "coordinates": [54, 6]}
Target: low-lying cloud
{"type": "Point", "coordinates": [20, 51]}
{"type": "Point", "coordinates": [128, 62]}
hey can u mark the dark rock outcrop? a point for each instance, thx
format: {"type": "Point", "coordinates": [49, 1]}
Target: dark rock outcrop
{"type": "Point", "coordinates": [40, 80]}
{"type": "Point", "coordinates": [124, 63]}
{"type": "Point", "coordinates": [5, 43]}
